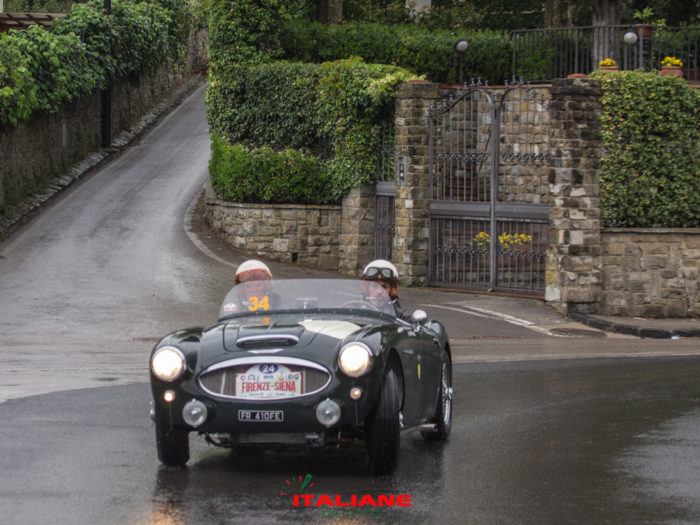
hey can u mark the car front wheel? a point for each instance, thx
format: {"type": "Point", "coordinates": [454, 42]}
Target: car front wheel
{"type": "Point", "coordinates": [383, 429]}
{"type": "Point", "coordinates": [173, 444]}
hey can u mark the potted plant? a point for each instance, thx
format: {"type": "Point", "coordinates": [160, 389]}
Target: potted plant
{"type": "Point", "coordinates": [643, 19]}
{"type": "Point", "coordinates": [608, 64]}
{"type": "Point", "coordinates": [671, 66]}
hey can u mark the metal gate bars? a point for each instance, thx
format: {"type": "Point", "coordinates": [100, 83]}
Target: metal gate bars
{"type": "Point", "coordinates": [384, 217]}
{"type": "Point", "coordinates": [489, 213]}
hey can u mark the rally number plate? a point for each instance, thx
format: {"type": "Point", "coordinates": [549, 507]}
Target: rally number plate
{"type": "Point", "coordinates": [269, 381]}
{"type": "Point", "coordinates": [261, 416]}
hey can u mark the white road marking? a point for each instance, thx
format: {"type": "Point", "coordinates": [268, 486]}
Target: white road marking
{"type": "Point", "coordinates": [490, 314]}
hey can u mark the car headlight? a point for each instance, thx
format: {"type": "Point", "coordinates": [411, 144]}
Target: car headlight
{"type": "Point", "coordinates": [168, 363]}
{"type": "Point", "coordinates": [355, 359]}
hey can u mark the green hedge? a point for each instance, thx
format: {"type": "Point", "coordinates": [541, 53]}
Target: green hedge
{"type": "Point", "coordinates": [263, 175]}
{"type": "Point", "coordinates": [273, 104]}
{"type": "Point", "coordinates": [336, 111]}
{"type": "Point", "coordinates": [650, 175]}
{"type": "Point", "coordinates": [421, 50]}
{"type": "Point", "coordinates": [243, 31]}
{"type": "Point", "coordinates": [17, 88]}
{"type": "Point", "coordinates": [58, 64]}
{"type": "Point", "coordinates": [43, 69]}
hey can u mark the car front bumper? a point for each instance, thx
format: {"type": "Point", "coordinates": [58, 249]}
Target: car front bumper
{"type": "Point", "coordinates": [240, 418]}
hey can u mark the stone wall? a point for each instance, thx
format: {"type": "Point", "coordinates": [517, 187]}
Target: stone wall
{"type": "Point", "coordinates": [651, 272]}
{"type": "Point", "coordinates": [305, 234]}
{"type": "Point", "coordinates": [36, 151]}
{"type": "Point", "coordinates": [356, 237]}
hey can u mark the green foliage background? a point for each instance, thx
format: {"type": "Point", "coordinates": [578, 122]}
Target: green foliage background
{"type": "Point", "coordinates": [334, 112]}
{"type": "Point", "coordinates": [40, 69]}
{"type": "Point", "coordinates": [423, 50]}
{"type": "Point", "coordinates": [650, 176]}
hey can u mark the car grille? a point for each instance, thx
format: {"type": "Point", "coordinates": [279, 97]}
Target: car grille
{"type": "Point", "coordinates": [222, 381]}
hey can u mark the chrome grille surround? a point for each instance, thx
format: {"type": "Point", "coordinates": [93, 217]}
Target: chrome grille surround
{"type": "Point", "coordinates": [219, 379]}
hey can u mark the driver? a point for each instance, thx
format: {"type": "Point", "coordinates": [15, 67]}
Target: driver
{"type": "Point", "coordinates": [254, 283]}
{"type": "Point", "coordinates": [381, 273]}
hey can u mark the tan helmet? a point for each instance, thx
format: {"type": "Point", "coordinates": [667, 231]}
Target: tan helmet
{"type": "Point", "coordinates": [252, 270]}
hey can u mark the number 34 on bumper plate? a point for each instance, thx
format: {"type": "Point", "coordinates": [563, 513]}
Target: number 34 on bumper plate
{"type": "Point", "coordinates": [263, 416]}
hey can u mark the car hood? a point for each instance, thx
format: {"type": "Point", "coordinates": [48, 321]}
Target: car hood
{"type": "Point", "coordinates": [317, 338]}
{"type": "Point", "coordinates": [239, 337]}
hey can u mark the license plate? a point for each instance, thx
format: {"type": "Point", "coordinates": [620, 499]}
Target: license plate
{"type": "Point", "coordinates": [261, 416]}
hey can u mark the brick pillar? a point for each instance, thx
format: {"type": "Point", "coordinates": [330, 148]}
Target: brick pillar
{"type": "Point", "coordinates": [411, 247]}
{"type": "Point", "coordinates": [574, 260]}
{"type": "Point", "coordinates": [356, 247]}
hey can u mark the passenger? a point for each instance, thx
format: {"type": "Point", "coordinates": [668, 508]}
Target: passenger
{"type": "Point", "coordinates": [385, 274]}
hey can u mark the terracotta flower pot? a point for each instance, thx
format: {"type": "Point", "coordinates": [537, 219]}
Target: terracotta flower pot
{"type": "Point", "coordinates": [644, 30]}
{"type": "Point", "coordinates": [671, 71]}
{"type": "Point", "coordinates": [609, 68]}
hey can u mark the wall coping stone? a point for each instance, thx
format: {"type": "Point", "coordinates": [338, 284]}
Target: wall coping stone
{"type": "Point", "coordinates": [229, 204]}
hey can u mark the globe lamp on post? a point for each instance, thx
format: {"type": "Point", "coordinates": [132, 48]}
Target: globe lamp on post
{"type": "Point", "coordinates": [460, 48]}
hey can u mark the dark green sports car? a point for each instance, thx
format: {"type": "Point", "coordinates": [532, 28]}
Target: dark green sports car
{"type": "Point", "coordinates": [308, 362]}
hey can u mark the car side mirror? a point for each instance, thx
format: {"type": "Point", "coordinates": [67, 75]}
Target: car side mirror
{"type": "Point", "coordinates": [419, 317]}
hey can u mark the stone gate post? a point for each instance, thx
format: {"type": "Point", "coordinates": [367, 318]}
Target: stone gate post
{"type": "Point", "coordinates": [412, 218]}
{"type": "Point", "coordinates": [356, 246]}
{"type": "Point", "coordinates": [574, 258]}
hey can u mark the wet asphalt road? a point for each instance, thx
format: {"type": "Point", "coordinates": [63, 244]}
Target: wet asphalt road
{"type": "Point", "coordinates": [91, 283]}
{"type": "Point", "coordinates": [576, 441]}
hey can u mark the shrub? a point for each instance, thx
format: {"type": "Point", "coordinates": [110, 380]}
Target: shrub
{"type": "Point", "coordinates": [40, 69]}
{"type": "Point", "coordinates": [58, 65]}
{"type": "Point", "coordinates": [650, 176]}
{"type": "Point", "coordinates": [244, 31]}
{"type": "Point", "coordinates": [423, 51]}
{"type": "Point", "coordinates": [147, 35]}
{"type": "Point", "coordinates": [356, 104]}
{"type": "Point", "coordinates": [17, 89]}
{"type": "Point", "coordinates": [273, 104]}
{"type": "Point", "coordinates": [336, 110]}
{"type": "Point", "coordinates": [262, 175]}
{"type": "Point", "coordinates": [95, 32]}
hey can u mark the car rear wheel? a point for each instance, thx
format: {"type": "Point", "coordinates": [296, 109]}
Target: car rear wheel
{"type": "Point", "coordinates": [173, 444]}
{"type": "Point", "coordinates": [383, 429]}
{"type": "Point", "coordinates": [443, 413]}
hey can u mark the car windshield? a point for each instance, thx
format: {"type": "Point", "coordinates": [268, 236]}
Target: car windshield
{"type": "Point", "coordinates": [288, 295]}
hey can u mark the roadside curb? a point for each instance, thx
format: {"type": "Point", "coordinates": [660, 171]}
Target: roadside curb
{"type": "Point", "coordinates": [96, 158]}
{"type": "Point", "coordinates": [628, 329]}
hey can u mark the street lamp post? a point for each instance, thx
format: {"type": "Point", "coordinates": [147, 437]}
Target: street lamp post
{"type": "Point", "coordinates": [459, 49]}
{"type": "Point", "coordinates": [630, 39]}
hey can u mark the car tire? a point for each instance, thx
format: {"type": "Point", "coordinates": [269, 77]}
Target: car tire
{"type": "Point", "coordinates": [384, 429]}
{"type": "Point", "coordinates": [443, 412]}
{"type": "Point", "coordinates": [173, 444]}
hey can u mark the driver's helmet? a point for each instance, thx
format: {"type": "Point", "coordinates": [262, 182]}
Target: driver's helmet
{"type": "Point", "coordinates": [256, 274]}
{"type": "Point", "coordinates": [384, 273]}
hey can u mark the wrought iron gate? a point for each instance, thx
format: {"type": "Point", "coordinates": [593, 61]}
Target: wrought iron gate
{"type": "Point", "coordinates": [384, 225]}
{"type": "Point", "coordinates": [488, 155]}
